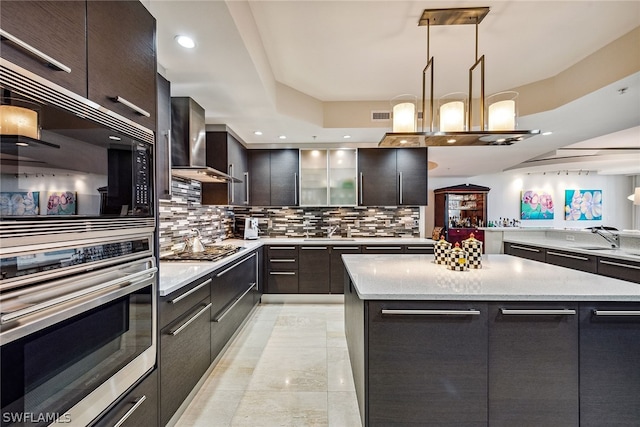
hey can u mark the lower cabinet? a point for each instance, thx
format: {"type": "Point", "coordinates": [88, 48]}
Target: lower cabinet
{"type": "Point", "coordinates": [533, 364]}
{"type": "Point", "coordinates": [619, 269]}
{"type": "Point", "coordinates": [382, 249]}
{"type": "Point", "coordinates": [139, 408]}
{"type": "Point", "coordinates": [282, 269]}
{"type": "Point", "coordinates": [314, 266]}
{"type": "Point", "coordinates": [525, 251]}
{"type": "Point", "coordinates": [609, 367]}
{"type": "Point", "coordinates": [336, 266]}
{"type": "Point", "coordinates": [572, 260]}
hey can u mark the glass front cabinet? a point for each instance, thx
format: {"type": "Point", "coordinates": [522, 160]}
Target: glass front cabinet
{"type": "Point", "coordinates": [461, 210]}
{"type": "Point", "coordinates": [328, 177]}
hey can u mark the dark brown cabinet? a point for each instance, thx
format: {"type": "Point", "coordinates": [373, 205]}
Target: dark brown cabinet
{"type": "Point", "coordinates": [525, 251]}
{"type": "Point", "coordinates": [382, 249]}
{"type": "Point", "coordinates": [609, 368]}
{"type": "Point", "coordinates": [163, 139]}
{"type": "Point", "coordinates": [314, 270]}
{"type": "Point", "coordinates": [619, 269]}
{"type": "Point", "coordinates": [282, 269]}
{"type": "Point", "coordinates": [336, 281]}
{"type": "Point", "coordinates": [572, 260]}
{"type": "Point", "coordinates": [121, 59]}
{"type": "Point", "coordinates": [273, 177]}
{"type": "Point", "coordinates": [139, 408]}
{"type": "Point", "coordinates": [55, 32]}
{"type": "Point", "coordinates": [459, 210]}
{"type": "Point", "coordinates": [226, 153]}
{"type": "Point", "coordinates": [533, 364]}
{"type": "Point", "coordinates": [391, 177]}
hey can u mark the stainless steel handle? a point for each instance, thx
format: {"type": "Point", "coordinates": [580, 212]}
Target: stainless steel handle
{"type": "Point", "coordinates": [400, 180]}
{"type": "Point", "coordinates": [49, 60]}
{"type": "Point", "coordinates": [119, 283]}
{"type": "Point", "coordinates": [282, 273]}
{"type": "Point", "coordinates": [597, 312]}
{"type": "Point", "coordinates": [131, 105]}
{"type": "Point", "coordinates": [419, 247]}
{"type": "Point", "coordinates": [281, 248]}
{"type": "Point", "coordinates": [470, 312]}
{"type": "Point", "coordinates": [295, 188]}
{"type": "Point", "coordinates": [136, 403]}
{"type": "Point", "coordinates": [559, 312]}
{"type": "Point", "coordinates": [346, 248]}
{"type": "Point", "coordinates": [219, 318]}
{"type": "Point", "coordinates": [235, 265]}
{"type": "Point", "coordinates": [361, 187]}
{"type": "Point", "coordinates": [617, 264]}
{"type": "Point", "coordinates": [581, 258]}
{"type": "Point", "coordinates": [282, 260]}
{"type": "Point", "coordinates": [386, 248]}
{"type": "Point", "coordinates": [524, 248]}
{"type": "Point", "coordinates": [232, 186]}
{"type": "Point", "coordinates": [314, 247]}
{"type": "Point", "coordinates": [167, 138]}
{"type": "Point", "coordinates": [246, 187]}
{"type": "Point", "coordinates": [175, 332]}
{"type": "Point", "coordinates": [186, 294]}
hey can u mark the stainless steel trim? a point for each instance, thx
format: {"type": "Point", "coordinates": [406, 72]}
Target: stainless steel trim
{"type": "Point", "coordinates": [524, 248]}
{"type": "Point", "coordinates": [186, 294]}
{"type": "Point", "coordinates": [46, 58]}
{"type": "Point", "coordinates": [235, 265]}
{"type": "Point", "coordinates": [544, 312]}
{"type": "Point", "coordinates": [282, 273]}
{"type": "Point", "coordinates": [246, 187]}
{"type": "Point", "coordinates": [419, 247]}
{"type": "Point", "coordinates": [470, 312]}
{"type": "Point", "coordinates": [176, 331]}
{"type": "Point", "coordinates": [131, 105]}
{"type": "Point", "coordinates": [400, 181]}
{"type": "Point", "coordinates": [581, 258]}
{"type": "Point", "coordinates": [618, 264]}
{"type": "Point", "coordinates": [278, 248]}
{"type": "Point", "coordinates": [384, 247]}
{"type": "Point", "coordinates": [40, 89]}
{"type": "Point", "coordinates": [346, 248]}
{"type": "Point", "coordinates": [361, 187]}
{"type": "Point", "coordinates": [136, 403]}
{"type": "Point", "coordinates": [219, 318]}
{"type": "Point", "coordinates": [597, 312]}
{"type": "Point", "coordinates": [232, 197]}
{"type": "Point", "coordinates": [295, 188]}
{"type": "Point", "coordinates": [282, 260]}
{"type": "Point", "coordinates": [313, 247]}
{"type": "Point", "coordinates": [132, 279]}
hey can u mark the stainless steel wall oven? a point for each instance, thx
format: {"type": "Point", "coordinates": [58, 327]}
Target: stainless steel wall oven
{"type": "Point", "coordinates": [78, 269]}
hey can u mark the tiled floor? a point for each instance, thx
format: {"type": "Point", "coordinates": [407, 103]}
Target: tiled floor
{"type": "Point", "coordinates": [288, 366]}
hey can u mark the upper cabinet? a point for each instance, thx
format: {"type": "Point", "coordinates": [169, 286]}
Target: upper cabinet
{"type": "Point", "coordinates": [273, 177]}
{"type": "Point", "coordinates": [121, 59]}
{"type": "Point", "coordinates": [48, 39]}
{"type": "Point", "coordinates": [328, 177]}
{"type": "Point", "coordinates": [225, 153]}
{"type": "Point", "coordinates": [392, 176]}
{"type": "Point", "coordinates": [163, 139]}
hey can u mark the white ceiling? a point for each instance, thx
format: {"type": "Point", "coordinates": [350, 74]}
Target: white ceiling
{"type": "Point", "coordinates": [324, 51]}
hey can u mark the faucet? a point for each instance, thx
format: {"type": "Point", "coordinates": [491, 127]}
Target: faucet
{"type": "Point", "coordinates": [331, 230]}
{"type": "Point", "coordinates": [613, 239]}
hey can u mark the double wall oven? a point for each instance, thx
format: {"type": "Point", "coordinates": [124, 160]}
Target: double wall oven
{"type": "Point", "coordinates": [78, 269]}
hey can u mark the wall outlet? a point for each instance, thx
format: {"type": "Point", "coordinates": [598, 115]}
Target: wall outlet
{"type": "Point", "coordinates": [415, 222]}
{"type": "Point", "coordinates": [571, 237]}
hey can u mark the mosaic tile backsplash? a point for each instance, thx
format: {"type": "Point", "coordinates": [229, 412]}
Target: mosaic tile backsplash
{"type": "Point", "coordinates": [184, 212]}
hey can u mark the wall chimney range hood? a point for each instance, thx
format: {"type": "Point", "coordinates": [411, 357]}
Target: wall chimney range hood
{"type": "Point", "coordinates": [188, 143]}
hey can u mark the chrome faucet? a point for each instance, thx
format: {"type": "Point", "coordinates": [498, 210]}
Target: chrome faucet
{"type": "Point", "coordinates": [612, 238]}
{"type": "Point", "coordinates": [331, 230]}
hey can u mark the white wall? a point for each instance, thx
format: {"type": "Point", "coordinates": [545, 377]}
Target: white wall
{"type": "Point", "coordinates": [506, 188]}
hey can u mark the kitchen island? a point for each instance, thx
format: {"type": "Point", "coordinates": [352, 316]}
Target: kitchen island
{"type": "Point", "coordinates": [515, 343]}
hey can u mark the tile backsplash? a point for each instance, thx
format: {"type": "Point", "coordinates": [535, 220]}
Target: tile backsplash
{"type": "Point", "coordinates": [184, 212]}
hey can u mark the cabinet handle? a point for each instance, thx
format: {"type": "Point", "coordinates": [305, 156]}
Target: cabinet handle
{"type": "Point", "coordinates": [345, 248]}
{"type": "Point", "coordinates": [314, 247]}
{"type": "Point", "coordinates": [136, 403]}
{"type": "Point", "coordinates": [400, 180]}
{"type": "Point", "coordinates": [235, 265]}
{"type": "Point", "coordinates": [386, 248]}
{"type": "Point", "coordinates": [175, 332]}
{"type": "Point", "coordinates": [282, 248]}
{"type": "Point", "coordinates": [597, 312]}
{"type": "Point", "coordinates": [295, 189]}
{"type": "Point", "coordinates": [470, 312]}
{"type": "Point", "coordinates": [581, 258]}
{"type": "Point", "coordinates": [232, 186]}
{"type": "Point", "coordinates": [282, 260]}
{"type": "Point", "coordinates": [361, 187]}
{"type": "Point", "coordinates": [219, 318]}
{"type": "Point", "coordinates": [131, 105]}
{"type": "Point", "coordinates": [560, 312]}
{"type": "Point", "coordinates": [282, 273]}
{"type": "Point", "coordinates": [419, 248]}
{"type": "Point", "coordinates": [617, 264]}
{"type": "Point", "coordinates": [186, 294]}
{"type": "Point", "coordinates": [524, 248]}
{"type": "Point", "coordinates": [167, 138]}
{"type": "Point", "coordinates": [46, 58]}
{"type": "Point", "coordinates": [246, 187]}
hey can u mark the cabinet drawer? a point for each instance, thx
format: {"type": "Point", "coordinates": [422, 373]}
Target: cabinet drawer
{"type": "Point", "coordinates": [386, 249]}
{"type": "Point", "coordinates": [177, 303]}
{"type": "Point", "coordinates": [225, 323]}
{"type": "Point", "coordinates": [288, 251]}
{"type": "Point", "coordinates": [525, 251]}
{"type": "Point", "coordinates": [425, 249]}
{"type": "Point", "coordinates": [619, 269]}
{"type": "Point", "coordinates": [139, 408]}
{"type": "Point", "coordinates": [232, 281]}
{"type": "Point", "coordinates": [283, 264]}
{"type": "Point", "coordinates": [282, 282]}
{"type": "Point", "coordinates": [572, 260]}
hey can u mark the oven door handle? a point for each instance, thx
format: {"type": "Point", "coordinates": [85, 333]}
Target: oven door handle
{"type": "Point", "coordinates": [116, 283]}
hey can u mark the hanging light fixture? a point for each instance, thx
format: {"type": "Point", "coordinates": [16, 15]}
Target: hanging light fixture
{"type": "Point", "coordinates": [498, 127]}
{"type": "Point", "coordinates": [404, 116]}
{"type": "Point", "coordinates": [19, 121]}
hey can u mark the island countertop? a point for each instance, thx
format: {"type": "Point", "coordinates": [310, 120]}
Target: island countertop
{"type": "Point", "coordinates": [501, 278]}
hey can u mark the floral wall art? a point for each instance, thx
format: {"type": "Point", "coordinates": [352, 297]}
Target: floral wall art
{"type": "Point", "coordinates": [19, 203]}
{"type": "Point", "coordinates": [582, 205]}
{"type": "Point", "coordinates": [536, 205]}
{"type": "Point", "coordinates": [61, 203]}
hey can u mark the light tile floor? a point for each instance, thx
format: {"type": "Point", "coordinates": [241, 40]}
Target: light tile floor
{"type": "Point", "coordinates": [288, 366]}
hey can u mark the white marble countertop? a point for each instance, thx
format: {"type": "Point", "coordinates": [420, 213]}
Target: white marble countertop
{"type": "Point", "coordinates": [501, 278]}
{"type": "Point", "coordinates": [347, 241]}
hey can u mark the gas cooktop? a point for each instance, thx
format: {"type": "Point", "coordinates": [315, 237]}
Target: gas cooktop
{"type": "Point", "coordinates": [211, 253]}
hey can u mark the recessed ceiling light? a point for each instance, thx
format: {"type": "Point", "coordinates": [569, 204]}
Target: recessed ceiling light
{"type": "Point", "coordinates": [257, 133]}
{"type": "Point", "coordinates": [347, 136]}
{"type": "Point", "coordinates": [185, 41]}
{"type": "Point", "coordinates": [547, 133]}
{"type": "Point", "coordinates": [115, 138]}
{"type": "Point", "coordinates": [282, 137]}
{"type": "Point", "coordinates": [451, 141]}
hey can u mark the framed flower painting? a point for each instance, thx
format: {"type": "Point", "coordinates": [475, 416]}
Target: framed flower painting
{"type": "Point", "coordinates": [20, 203]}
{"type": "Point", "coordinates": [536, 205]}
{"type": "Point", "coordinates": [61, 203]}
{"type": "Point", "coordinates": [582, 205]}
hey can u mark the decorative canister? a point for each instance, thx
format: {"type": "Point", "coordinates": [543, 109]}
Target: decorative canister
{"type": "Point", "coordinates": [440, 250]}
{"type": "Point", "coordinates": [458, 259]}
{"type": "Point", "coordinates": [473, 247]}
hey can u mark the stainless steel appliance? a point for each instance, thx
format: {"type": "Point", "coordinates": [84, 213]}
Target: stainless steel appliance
{"type": "Point", "coordinates": [78, 274]}
{"type": "Point", "coordinates": [251, 228]}
{"type": "Point", "coordinates": [210, 253]}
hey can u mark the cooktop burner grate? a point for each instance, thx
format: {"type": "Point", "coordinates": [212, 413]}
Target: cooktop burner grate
{"type": "Point", "coordinates": [211, 253]}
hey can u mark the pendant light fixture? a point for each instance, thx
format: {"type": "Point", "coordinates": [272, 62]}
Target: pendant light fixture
{"type": "Point", "coordinates": [456, 126]}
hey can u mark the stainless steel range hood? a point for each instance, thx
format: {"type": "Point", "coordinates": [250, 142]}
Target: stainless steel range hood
{"type": "Point", "coordinates": [189, 145]}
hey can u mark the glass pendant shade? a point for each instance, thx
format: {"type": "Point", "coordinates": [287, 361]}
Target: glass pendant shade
{"type": "Point", "coordinates": [502, 111]}
{"type": "Point", "coordinates": [404, 113]}
{"type": "Point", "coordinates": [19, 121]}
{"type": "Point", "coordinates": [452, 111]}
